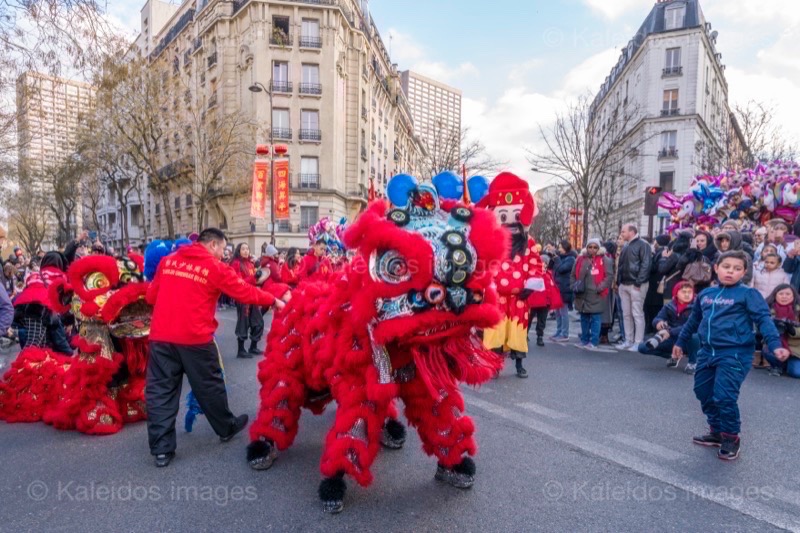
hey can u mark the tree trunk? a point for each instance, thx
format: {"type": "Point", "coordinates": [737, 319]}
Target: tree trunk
{"type": "Point", "coordinates": [164, 193]}
{"type": "Point", "coordinates": [201, 214]}
{"type": "Point", "coordinates": [585, 220]}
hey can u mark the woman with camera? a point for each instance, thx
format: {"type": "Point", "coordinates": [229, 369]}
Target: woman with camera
{"type": "Point", "coordinates": [249, 319]}
{"type": "Point", "coordinates": [669, 322]}
{"type": "Point", "coordinates": [591, 278]}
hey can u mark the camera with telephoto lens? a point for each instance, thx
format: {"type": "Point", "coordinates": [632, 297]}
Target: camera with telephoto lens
{"type": "Point", "coordinates": [259, 273]}
{"type": "Point", "coordinates": [654, 341]}
{"type": "Point", "coordinates": [787, 327]}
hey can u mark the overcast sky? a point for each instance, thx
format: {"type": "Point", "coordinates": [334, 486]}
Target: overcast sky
{"type": "Point", "coordinates": [518, 61]}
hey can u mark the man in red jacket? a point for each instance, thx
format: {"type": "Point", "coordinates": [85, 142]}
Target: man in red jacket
{"type": "Point", "coordinates": [316, 264]}
{"type": "Point", "coordinates": [184, 294]}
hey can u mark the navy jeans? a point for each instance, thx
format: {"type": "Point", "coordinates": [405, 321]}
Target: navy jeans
{"type": "Point", "coordinates": [716, 384]}
{"type": "Point", "coordinates": [562, 321]}
{"type": "Point", "coordinates": [590, 328]}
{"type": "Point", "coordinates": [791, 366]}
{"type": "Point", "coordinates": [665, 348]}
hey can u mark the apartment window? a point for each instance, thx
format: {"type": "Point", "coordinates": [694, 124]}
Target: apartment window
{"type": "Point", "coordinates": [281, 127]}
{"type": "Point", "coordinates": [670, 106]}
{"type": "Point", "coordinates": [669, 144]}
{"type": "Point", "coordinates": [673, 57]}
{"type": "Point", "coordinates": [280, 28]}
{"type": "Point", "coordinates": [309, 126]}
{"type": "Point", "coordinates": [308, 217]}
{"type": "Point", "coordinates": [309, 120]}
{"type": "Point", "coordinates": [188, 200]}
{"type": "Point", "coordinates": [280, 77]}
{"type": "Point", "coordinates": [310, 37]}
{"type": "Point", "coordinates": [309, 173]}
{"type": "Point", "coordinates": [666, 180]}
{"type": "Point", "coordinates": [674, 16]}
{"type": "Point", "coordinates": [669, 140]}
{"type": "Point", "coordinates": [177, 202]}
{"type": "Point", "coordinates": [310, 80]}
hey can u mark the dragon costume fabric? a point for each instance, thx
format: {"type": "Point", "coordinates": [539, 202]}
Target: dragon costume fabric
{"type": "Point", "coordinates": [101, 387]}
{"type": "Point", "coordinates": [400, 321]}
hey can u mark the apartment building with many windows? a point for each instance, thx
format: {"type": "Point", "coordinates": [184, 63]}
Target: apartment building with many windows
{"type": "Point", "coordinates": [436, 111]}
{"type": "Point", "coordinates": [337, 104]}
{"type": "Point", "coordinates": [50, 111]}
{"type": "Point", "coordinates": [672, 77]}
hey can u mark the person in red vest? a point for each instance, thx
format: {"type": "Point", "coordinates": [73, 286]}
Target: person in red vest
{"type": "Point", "coordinates": [290, 271]}
{"type": "Point", "coordinates": [184, 296]}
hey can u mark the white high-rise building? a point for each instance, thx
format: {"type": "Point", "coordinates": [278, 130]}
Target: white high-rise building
{"type": "Point", "coordinates": [436, 111]}
{"type": "Point", "coordinates": [49, 114]}
{"type": "Point", "coordinates": [670, 77]}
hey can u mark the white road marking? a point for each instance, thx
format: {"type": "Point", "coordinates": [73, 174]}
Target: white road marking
{"type": "Point", "coordinates": [649, 447]}
{"type": "Point", "coordinates": [701, 490]}
{"type": "Point", "coordinates": [542, 410]}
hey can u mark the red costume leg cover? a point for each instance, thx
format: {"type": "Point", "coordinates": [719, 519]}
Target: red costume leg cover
{"type": "Point", "coordinates": [355, 438]}
{"type": "Point", "coordinates": [86, 403]}
{"type": "Point", "coordinates": [283, 390]}
{"type": "Point", "coordinates": [34, 382]}
{"type": "Point", "coordinates": [442, 426]}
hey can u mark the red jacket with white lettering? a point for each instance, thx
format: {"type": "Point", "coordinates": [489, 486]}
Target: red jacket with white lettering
{"type": "Point", "coordinates": [185, 291]}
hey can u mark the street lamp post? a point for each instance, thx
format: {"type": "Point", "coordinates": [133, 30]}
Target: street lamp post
{"type": "Point", "coordinates": [257, 88]}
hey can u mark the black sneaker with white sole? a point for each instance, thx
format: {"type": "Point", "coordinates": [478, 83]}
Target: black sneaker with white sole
{"type": "Point", "coordinates": [163, 459]}
{"type": "Point", "coordinates": [712, 438]}
{"type": "Point", "coordinates": [729, 450]}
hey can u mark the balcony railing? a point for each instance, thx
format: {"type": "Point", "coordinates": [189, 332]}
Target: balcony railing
{"type": "Point", "coordinates": [310, 42]}
{"type": "Point", "coordinates": [310, 135]}
{"type": "Point", "coordinates": [309, 181]}
{"type": "Point", "coordinates": [282, 134]}
{"type": "Point", "coordinates": [281, 86]}
{"type": "Point", "coordinates": [667, 152]}
{"type": "Point", "coordinates": [672, 71]}
{"type": "Point", "coordinates": [280, 38]}
{"type": "Point", "coordinates": [310, 88]}
{"type": "Point", "coordinates": [670, 112]}
{"type": "Point", "coordinates": [212, 60]}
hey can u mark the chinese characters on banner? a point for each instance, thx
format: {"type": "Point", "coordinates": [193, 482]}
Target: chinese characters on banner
{"type": "Point", "coordinates": [281, 189]}
{"type": "Point", "coordinates": [258, 200]}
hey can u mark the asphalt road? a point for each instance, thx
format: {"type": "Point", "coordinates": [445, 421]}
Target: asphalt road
{"type": "Point", "coordinates": [591, 442]}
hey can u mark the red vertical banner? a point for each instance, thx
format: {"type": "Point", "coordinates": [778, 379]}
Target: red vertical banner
{"type": "Point", "coordinates": [258, 199]}
{"type": "Point", "coordinates": [281, 189]}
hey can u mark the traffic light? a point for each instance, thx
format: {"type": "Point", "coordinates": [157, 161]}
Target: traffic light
{"type": "Point", "coordinates": [651, 197]}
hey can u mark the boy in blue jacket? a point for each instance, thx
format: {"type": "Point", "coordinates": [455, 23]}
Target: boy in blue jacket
{"type": "Point", "coordinates": [724, 318]}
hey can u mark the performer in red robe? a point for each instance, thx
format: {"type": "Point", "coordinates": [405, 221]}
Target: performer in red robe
{"type": "Point", "coordinates": [520, 278]}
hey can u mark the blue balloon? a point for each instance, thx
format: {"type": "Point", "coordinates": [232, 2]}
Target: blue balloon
{"type": "Point", "coordinates": [449, 186]}
{"type": "Point", "coordinates": [399, 189]}
{"type": "Point", "coordinates": [478, 187]}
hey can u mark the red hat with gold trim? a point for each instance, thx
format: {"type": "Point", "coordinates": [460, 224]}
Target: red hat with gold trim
{"type": "Point", "coordinates": [510, 189]}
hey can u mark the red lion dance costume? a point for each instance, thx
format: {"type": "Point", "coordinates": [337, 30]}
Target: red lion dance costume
{"type": "Point", "coordinates": [100, 388]}
{"type": "Point", "coordinates": [398, 322]}
{"type": "Point", "coordinates": [522, 281]}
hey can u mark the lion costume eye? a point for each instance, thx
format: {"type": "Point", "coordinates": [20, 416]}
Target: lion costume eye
{"type": "Point", "coordinates": [393, 268]}
{"type": "Point", "coordinates": [95, 281]}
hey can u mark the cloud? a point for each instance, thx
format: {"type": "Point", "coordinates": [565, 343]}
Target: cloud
{"type": "Point", "coordinates": [614, 9]}
{"type": "Point", "coordinates": [409, 54]}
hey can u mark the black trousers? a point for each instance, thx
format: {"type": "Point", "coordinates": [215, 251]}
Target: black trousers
{"type": "Point", "coordinates": [249, 322]}
{"type": "Point", "coordinates": [541, 320]}
{"type": "Point", "coordinates": [165, 369]}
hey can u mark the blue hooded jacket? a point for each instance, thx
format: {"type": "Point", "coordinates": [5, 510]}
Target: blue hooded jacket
{"type": "Point", "coordinates": [724, 316]}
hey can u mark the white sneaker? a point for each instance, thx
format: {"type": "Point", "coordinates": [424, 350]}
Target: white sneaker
{"type": "Point", "coordinates": [622, 345]}
{"type": "Point", "coordinates": [633, 348]}
{"type": "Point", "coordinates": [590, 348]}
